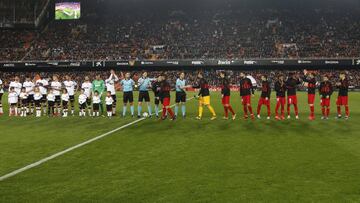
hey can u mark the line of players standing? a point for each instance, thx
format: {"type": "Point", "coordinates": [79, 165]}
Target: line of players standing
{"type": "Point", "coordinates": [54, 98]}
{"type": "Point", "coordinates": [288, 88]}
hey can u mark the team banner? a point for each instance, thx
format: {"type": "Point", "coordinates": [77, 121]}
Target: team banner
{"type": "Point", "coordinates": [186, 63]}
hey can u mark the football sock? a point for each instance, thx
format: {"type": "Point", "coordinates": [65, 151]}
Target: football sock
{"type": "Point", "coordinates": [311, 111]}
{"type": "Point", "coordinates": [258, 109]}
{"type": "Point", "coordinates": [211, 109]}
{"type": "Point", "coordinates": [183, 109]}
{"type": "Point", "coordinates": [149, 109]}
{"type": "Point", "coordinates": [226, 110]}
{"type": "Point", "coordinates": [288, 109]}
{"type": "Point", "coordinates": [201, 110]}
{"type": "Point", "coordinates": [176, 109]}
{"type": "Point", "coordinates": [339, 110]}
{"type": "Point", "coordinates": [250, 110]}
{"type": "Point", "coordinates": [327, 111]}
{"type": "Point", "coordinates": [347, 110]}
{"type": "Point", "coordinates": [132, 109]}
{"type": "Point", "coordinates": [296, 110]}
{"type": "Point", "coordinates": [323, 111]}
{"type": "Point", "coordinates": [245, 110]}
{"type": "Point", "coordinates": [139, 110]}
{"type": "Point", "coordinates": [124, 110]}
{"type": "Point", "coordinates": [268, 110]}
{"type": "Point", "coordinates": [170, 112]}
{"type": "Point", "coordinates": [231, 110]}
{"type": "Point", "coordinates": [156, 110]}
{"type": "Point", "coordinates": [164, 112]}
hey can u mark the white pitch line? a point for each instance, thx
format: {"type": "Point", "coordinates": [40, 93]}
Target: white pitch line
{"type": "Point", "coordinates": [30, 166]}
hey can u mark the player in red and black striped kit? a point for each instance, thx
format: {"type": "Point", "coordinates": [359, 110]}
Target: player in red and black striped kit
{"type": "Point", "coordinates": [291, 85]}
{"type": "Point", "coordinates": [245, 93]}
{"type": "Point", "coordinates": [310, 83]}
{"type": "Point", "coordinates": [342, 99]}
{"type": "Point", "coordinates": [265, 96]}
{"type": "Point", "coordinates": [165, 89]}
{"type": "Point", "coordinates": [225, 93]}
{"type": "Point", "coordinates": [325, 91]}
{"type": "Point", "coordinates": [280, 88]}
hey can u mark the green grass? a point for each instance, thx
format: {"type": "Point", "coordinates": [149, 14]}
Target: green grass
{"type": "Point", "coordinates": [186, 160]}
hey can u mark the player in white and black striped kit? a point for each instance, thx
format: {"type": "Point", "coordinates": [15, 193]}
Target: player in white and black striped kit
{"type": "Point", "coordinates": [56, 87]}
{"type": "Point", "coordinates": [87, 86]}
{"type": "Point", "coordinates": [29, 88]}
{"type": "Point", "coordinates": [43, 85]}
{"type": "Point", "coordinates": [1, 94]}
{"type": "Point", "coordinates": [71, 87]}
{"type": "Point", "coordinates": [110, 87]}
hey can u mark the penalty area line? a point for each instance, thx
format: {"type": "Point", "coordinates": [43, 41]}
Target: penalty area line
{"type": "Point", "coordinates": [41, 161]}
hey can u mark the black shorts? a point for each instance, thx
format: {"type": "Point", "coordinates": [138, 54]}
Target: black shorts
{"type": "Point", "coordinates": [108, 107]}
{"type": "Point", "coordinates": [180, 97]}
{"type": "Point", "coordinates": [128, 97]}
{"type": "Point", "coordinates": [65, 103]}
{"type": "Point", "coordinates": [157, 101]}
{"type": "Point", "coordinates": [114, 98]}
{"type": "Point", "coordinates": [88, 101]}
{"type": "Point", "coordinates": [51, 103]}
{"type": "Point", "coordinates": [58, 99]}
{"type": "Point", "coordinates": [144, 95]}
{"type": "Point", "coordinates": [96, 107]}
{"type": "Point", "coordinates": [30, 99]}
{"type": "Point", "coordinates": [43, 99]}
{"type": "Point", "coordinates": [71, 98]}
{"type": "Point", "coordinates": [24, 102]}
{"type": "Point", "coordinates": [83, 106]}
{"type": "Point", "coordinates": [37, 103]}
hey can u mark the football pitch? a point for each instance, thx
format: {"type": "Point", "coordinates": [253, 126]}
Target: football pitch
{"type": "Point", "coordinates": [184, 160]}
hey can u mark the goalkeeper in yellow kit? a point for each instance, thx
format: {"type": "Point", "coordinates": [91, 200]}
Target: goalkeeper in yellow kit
{"type": "Point", "coordinates": [204, 97]}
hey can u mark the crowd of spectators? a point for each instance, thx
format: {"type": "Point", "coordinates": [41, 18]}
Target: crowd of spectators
{"type": "Point", "coordinates": [230, 34]}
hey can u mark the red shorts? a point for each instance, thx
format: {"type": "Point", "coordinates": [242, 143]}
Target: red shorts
{"type": "Point", "coordinates": [280, 100]}
{"type": "Point", "coordinates": [342, 100]}
{"type": "Point", "coordinates": [263, 101]}
{"type": "Point", "coordinates": [246, 99]}
{"type": "Point", "coordinates": [292, 99]}
{"type": "Point", "coordinates": [166, 101]}
{"type": "Point", "coordinates": [311, 98]}
{"type": "Point", "coordinates": [225, 100]}
{"type": "Point", "coordinates": [325, 102]}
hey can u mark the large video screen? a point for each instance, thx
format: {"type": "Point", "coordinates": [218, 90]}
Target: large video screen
{"type": "Point", "coordinates": [67, 10]}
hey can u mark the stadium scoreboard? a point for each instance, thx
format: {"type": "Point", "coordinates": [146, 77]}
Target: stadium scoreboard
{"type": "Point", "coordinates": [67, 10]}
